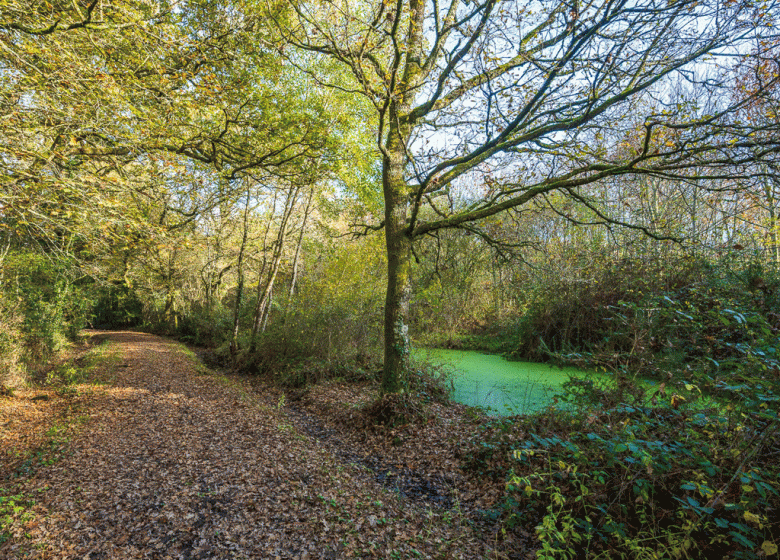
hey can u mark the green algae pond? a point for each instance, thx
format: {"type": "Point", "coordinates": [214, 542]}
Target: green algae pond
{"type": "Point", "coordinates": [503, 387]}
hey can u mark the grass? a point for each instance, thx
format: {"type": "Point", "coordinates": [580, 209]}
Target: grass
{"type": "Point", "coordinates": [196, 362]}
{"type": "Point", "coordinates": [15, 510]}
{"type": "Point", "coordinates": [97, 367]}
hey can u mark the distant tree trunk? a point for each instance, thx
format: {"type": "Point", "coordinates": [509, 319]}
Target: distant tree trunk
{"type": "Point", "coordinates": [126, 271]}
{"type": "Point", "coordinates": [498, 286]}
{"type": "Point", "coordinates": [297, 257]}
{"type": "Point", "coordinates": [169, 311]}
{"type": "Point", "coordinates": [265, 289]}
{"type": "Point", "coordinates": [240, 286]}
{"type": "Point", "coordinates": [267, 310]}
{"type": "Point", "coordinates": [773, 234]}
{"type": "Point", "coordinates": [170, 314]}
{"type": "Point", "coordinates": [695, 219]}
{"type": "Point", "coordinates": [213, 282]}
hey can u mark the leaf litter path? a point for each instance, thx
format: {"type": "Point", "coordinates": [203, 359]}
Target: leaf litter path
{"type": "Point", "coordinates": [176, 463]}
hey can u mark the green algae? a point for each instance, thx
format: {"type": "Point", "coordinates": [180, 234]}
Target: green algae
{"type": "Point", "coordinates": [503, 387]}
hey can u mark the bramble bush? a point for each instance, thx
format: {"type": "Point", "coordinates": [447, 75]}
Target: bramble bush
{"type": "Point", "coordinates": [676, 459]}
{"type": "Point", "coordinates": [640, 480]}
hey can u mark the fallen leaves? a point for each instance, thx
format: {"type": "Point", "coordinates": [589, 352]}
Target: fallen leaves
{"type": "Point", "coordinates": [176, 464]}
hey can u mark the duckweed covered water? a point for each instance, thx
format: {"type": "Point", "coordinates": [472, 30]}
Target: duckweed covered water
{"type": "Point", "coordinates": [504, 387]}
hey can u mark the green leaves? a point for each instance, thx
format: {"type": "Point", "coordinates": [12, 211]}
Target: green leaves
{"type": "Point", "coordinates": [639, 464]}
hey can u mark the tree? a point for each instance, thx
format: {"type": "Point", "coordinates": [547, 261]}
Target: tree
{"type": "Point", "coordinates": [756, 81]}
{"type": "Point", "coordinates": [96, 94]}
{"type": "Point", "coordinates": [125, 123]}
{"type": "Point", "coordinates": [520, 98]}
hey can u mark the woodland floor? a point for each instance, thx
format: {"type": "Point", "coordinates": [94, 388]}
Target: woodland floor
{"type": "Point", "coordinates": [165, 459]}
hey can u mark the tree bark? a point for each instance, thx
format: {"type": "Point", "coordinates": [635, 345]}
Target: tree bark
{"type": "Point", "coordinates": [298, 246]}
{"type": "Point", "coordinates": [399, 266]}
{"type": "Point", "coordinates": [398, 236]}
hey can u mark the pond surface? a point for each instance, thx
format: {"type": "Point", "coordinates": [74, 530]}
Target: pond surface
{"type": "Point", "coordinates": [505, 387]}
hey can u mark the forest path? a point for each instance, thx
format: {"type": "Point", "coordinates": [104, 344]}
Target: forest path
{"type": "Point", "coordinates": [176, 462]}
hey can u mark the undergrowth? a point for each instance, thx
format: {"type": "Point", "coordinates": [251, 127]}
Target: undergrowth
{"type": "Point", "coordinates": [15, 509]}
{"type": "Point", "coordinates": [656, 479]}
{"type": "Point", "coordinates": [98, 365]}
{"type": "Point", "coordinates": [682, 464]}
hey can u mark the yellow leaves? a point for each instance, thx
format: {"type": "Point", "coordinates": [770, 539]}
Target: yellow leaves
{"type": "Point", "coordinates": [769, 548]}
{"type": "Point", "coordinates": [677, 400]}
{"type": "Point", "coordinates": [751, 518]}
{"type": "Point", "coordinates": [689, 387]}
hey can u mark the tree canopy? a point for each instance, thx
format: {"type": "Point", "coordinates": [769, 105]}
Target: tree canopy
{"type": "Point", "coordinates": [106, 105]}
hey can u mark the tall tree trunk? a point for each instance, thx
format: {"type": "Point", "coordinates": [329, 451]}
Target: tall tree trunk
{"type": "Point", "coordinates": [297, 257]}
{"type": "Point", "coordinates": [396, 194]}
{"type": "Point", "coordinates": [399, 266]}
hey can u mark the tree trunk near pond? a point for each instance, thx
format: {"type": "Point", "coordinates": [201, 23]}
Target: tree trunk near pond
{"type": "Point", "coordinates": [398, 237]}
{"type": "Point", "coordinates": [399, 263]}
{"type": "Point", "coordinates": [399, 291]}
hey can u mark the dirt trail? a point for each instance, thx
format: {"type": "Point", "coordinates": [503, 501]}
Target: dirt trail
{"type": "Point", "coordinates": [176, 463]}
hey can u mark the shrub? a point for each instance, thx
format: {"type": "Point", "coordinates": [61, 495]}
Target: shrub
{"type": "Point", "coordinates": [677, 459]}
{"type": "Point", "coordinates": [330, 327]}
{"type": "Point", "coordinates": [43, 307]}
{"type": "Point", "coordinates": [576, 312]}
{"type": "Point", "coordinates": [669, 477]}
{"type": "Point", "coordinates": [309, 343]}
{"type": "Point", "coordinates": [11, 344]}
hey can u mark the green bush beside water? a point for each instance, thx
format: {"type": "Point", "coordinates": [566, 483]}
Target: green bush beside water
{"type": "Point", "coordinates": [687, 468]}
{"type": "Point", "coordinates": [636, 481]}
